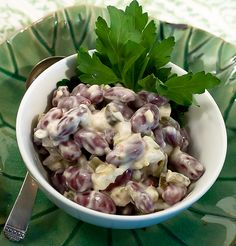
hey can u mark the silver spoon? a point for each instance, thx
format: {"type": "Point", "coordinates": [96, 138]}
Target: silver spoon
{"type": "Point", "coordinates": [17, 223]}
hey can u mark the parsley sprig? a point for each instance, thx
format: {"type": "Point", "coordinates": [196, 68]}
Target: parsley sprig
{"type": "Point", "coordinates": [129, 52]}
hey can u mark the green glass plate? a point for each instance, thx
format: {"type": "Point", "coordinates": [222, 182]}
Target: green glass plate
{"type": "Point", "coordinates": [210, 221]}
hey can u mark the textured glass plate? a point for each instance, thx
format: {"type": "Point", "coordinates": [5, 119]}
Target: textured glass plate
{"type": "Point", "coordinates": [210, 221]}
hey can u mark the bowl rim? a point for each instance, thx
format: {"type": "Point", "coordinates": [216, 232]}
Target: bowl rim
{"type": "Point", "coordinates": [43, 184]}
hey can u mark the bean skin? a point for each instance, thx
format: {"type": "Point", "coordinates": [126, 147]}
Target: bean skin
{"type": "Point", "coordinates": [94, 92]}
{"type": "Point", "coordinates": [70, 102]}
{"type": "Point", "coordinates": [58, 181]}
{"type": "Point", "coordinates": [145, 119]}
{"type": "Point", "coordinates": [186, 164]}
{"type": "Point", "coordinates": [159, 138]}
{"type": "Point", "coordinates": [112, 114]}
{"type": "Point", "coordinates": [126, 111]}
{"type": "Point", "coordinates": [52, 115]}
{"type": "Point", "coordinates": [81, 90]}
{"type": "Point", "coordinates": [97, 201]}
{"type": "Point", "coordinates": [78, 179]}
{"type": "Point", "coordinates": [174, 193]}
{"type": "Point", "coordinates": [151, 97]}
{"type": "Point", "coordinates": [119, 93]}
{"type": "Point", "coordinates": [141, 199]}
{"type": "Point", "coordinates": [92, 141]}
{"type": "Point", "coordinates": [171, 122]}
{"type": "Point", "coordinates": [128, 150]}
{"type": "Point", "coordinates": [69, 123]}
{"type": "Point", "coordinates": [70, 150]}
{"type": "Point", "coordinates": [117, 111]}
{"type": "Point", "coordinates": [172, 136]}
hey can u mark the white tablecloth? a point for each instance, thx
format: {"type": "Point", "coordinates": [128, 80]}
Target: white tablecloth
{"type": "Point", "coordinates": [215, 16]}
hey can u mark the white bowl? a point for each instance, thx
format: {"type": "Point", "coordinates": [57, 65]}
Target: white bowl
{"type": "Point", "coordinates": [207, 130]}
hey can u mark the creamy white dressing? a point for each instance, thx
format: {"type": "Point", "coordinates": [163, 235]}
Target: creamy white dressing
{"type": "Point", "coordinates": [121, 196]}
{"type": "Point", "coordinates": [152, 154]}
{"type": "Point", "coordinates": [98, 121]}
{"type": "Point", "coordinates": [165, 111]}
{"type": "Point", "coordinates": [174, 177]}
{"type": "Point", "coordinates": [149, 116]}
{"type": "Point", "coordinates": [123, 131]}
{"type": "Point", "coordinates": [106, 174]}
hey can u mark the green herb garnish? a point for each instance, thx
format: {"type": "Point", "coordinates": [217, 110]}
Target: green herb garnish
{"type": "Point", "coordinates": [129, 52]}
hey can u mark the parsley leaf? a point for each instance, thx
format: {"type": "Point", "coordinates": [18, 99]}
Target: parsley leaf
{"type": "Point", "coordinates": [163, 73]}
{"type": "Point", "coordinates": [128, 52]}
{"type": "Point", "coordinates": [148, 83]}
{"type": "Point", "coordinates": [180, 89]}
{"type": "Point", "coordinates": [94, 71]}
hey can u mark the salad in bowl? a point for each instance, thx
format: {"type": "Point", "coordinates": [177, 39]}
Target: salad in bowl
{"type": "Point", "coordinates": [121, 137]}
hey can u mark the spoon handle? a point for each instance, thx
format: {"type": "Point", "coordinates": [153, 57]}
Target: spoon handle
{"type": "Point", "coordinates": [18, 219]}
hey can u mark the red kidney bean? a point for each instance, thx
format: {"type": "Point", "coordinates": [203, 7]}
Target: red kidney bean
{"type": "Point", "coordinates": [70, 150]}
{"type": "Point", "coordinates": [172, 136]}
{"type": "Point", "coordinates": [94, 92]}
{"type": "Point", "coordinates": [52, 115]}
{"type": "Point", "coordinates": [60, 92]}
{"type": "Point", "coordinates": [173, 193]}
{"type": "Point", "coordinates": [97, 201]}
{"type": "Point", "coordinates": [69, 123]}
{"type": "Point", "coordinates": [141, 199]}
{"type": "Point", "coordinates": [171, 122]}
{"type": "Point", "coordinates": [186, 164]}
{"type": "Point", "coordinates": [81, 90]}
{"type": "Point", "coordinates": [72, 102]}
{"type": "Point", "coordinates": [58, 181]}
{"type": "Point", "coordinates": [112, 114]}
{"type": "Point", "coordinates": [159, 138]}
{"type": "Point", "coordinates": [128, 150]}
{"type": "Point", "coordinates": [145, 119]}
{"type": "Point", "coordinates": [119, 93]}
{"type": "Point", "coordinates": [92, 141]}
{"type": "Point", "coordinates": [137, 103]}
{"type": "Point", "coordinates": [114, 108]}
{"type": "Point", "coordinates": [78, 179]}
{"type": "Point", "coordinates": [151, 97]}
{"type": "Point", "coordinates": [126, 111]}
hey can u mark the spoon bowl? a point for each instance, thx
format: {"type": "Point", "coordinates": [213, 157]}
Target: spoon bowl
{"type": "Point", "coordinates": [40, 67]}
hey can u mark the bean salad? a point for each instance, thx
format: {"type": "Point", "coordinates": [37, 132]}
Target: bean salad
{"type": "Point", "coordinates": [114, 150]}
